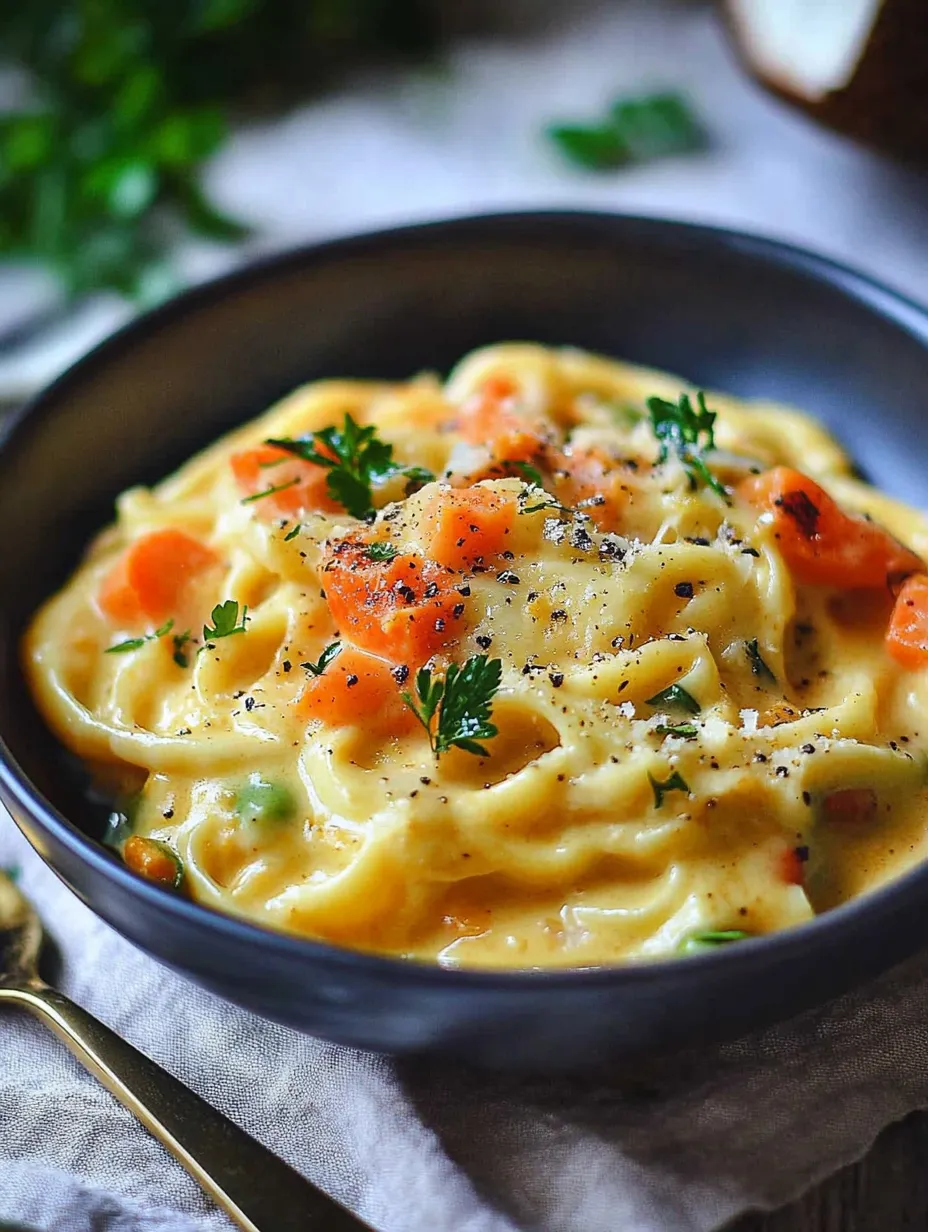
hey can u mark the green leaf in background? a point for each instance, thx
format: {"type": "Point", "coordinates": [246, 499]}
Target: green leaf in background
{"type": "Point", "coordinates": [594, 146]}
{"type": "Point", "coordinates": [657, 125]}
{"type": "Point", "coordinates": [634, 130]}
{"type": "Point", "coordinates": [125, 100]}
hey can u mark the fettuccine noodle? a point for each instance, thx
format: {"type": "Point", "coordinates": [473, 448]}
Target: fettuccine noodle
{"type": "Point", "coordinates": [697, 732]}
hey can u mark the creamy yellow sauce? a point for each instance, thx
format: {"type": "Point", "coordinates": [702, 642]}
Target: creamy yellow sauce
{"type": "Point", "coordinates": [554, 849]}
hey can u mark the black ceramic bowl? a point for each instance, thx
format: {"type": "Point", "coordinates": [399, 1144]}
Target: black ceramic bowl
{"type": "Point", "coordinates": [725, 310]}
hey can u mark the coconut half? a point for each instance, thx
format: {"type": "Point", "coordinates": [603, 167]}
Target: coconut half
{"type": "Point", "coordinates": [860, 66]}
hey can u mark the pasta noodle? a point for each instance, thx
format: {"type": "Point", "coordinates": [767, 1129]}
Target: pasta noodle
{"type": "Point", "coordinates": [709, 707]}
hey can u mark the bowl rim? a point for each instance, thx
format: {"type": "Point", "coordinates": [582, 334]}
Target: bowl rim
{"type": "Point", "coordinates": [868, 292]}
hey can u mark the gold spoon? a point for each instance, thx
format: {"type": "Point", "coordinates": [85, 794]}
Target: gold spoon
{"type": "Point", "coordinates": [258, 1191]}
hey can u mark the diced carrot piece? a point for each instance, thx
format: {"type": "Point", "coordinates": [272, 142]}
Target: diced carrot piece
{"type": "Point", "coordinates": [850, 806]}
{"type": "Point", "coordinates": [468, 525]}
{"type": "Point", "coordinates": [907, 635]}
{"type": "Point", "coordinates": [487, 420]}
{"type": "Point", "coordinates": [153, 860]}
{"type": "Point", "coordinates": [791, 862]}
{"type": "Point", "coordinates": [302, 484]}
{"type": "Point", "coordinates": [357, 688]}
{"type": "Point", "coordinates": [149, 579]}
{"type": "Point", "coordinates": [782, 712]}
{"type": "Point", "coordinates": [405, 609]}
{"type": "Point", "coordinates": [593, 480]}
{"type": "Point", "coordinates": [821, 544]}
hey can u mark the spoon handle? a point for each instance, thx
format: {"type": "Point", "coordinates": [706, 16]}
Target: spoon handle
{"type": "Point", "coordinates": [258, 1191]}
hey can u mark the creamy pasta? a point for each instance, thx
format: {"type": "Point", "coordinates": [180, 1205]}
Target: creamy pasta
{"type": "Point", "coordinates": [682, 664]}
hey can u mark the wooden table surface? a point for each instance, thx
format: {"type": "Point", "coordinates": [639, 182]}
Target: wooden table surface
{"type": "Point", "coordinates": [886, 1192]}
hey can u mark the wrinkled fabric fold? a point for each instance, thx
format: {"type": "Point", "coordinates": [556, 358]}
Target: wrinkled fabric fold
{"type": "Point", "coordinates": [426, 1145]}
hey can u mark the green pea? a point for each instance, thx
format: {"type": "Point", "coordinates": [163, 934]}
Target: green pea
{"type": "Point", "coordinates": [262, 801]}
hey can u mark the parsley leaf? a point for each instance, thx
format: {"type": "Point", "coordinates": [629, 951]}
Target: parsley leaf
{"type": "Point", "coordinates": [595, 147]}
{"type": "Point", "coordinates": [278, 487]}
{"type": "Point", "coordinates": [696, 943]}
{"type": "Point", "coordinates": [416, 477]}
{"type": "Point", "coordinates": [134, 643]}
{"type": "Point", "coordinates": [381, 551]}
{"type": "Point", "coordinates": [529, 472]}
{"type": "Point", "coordinates": [675, 697]}
{"type": "Point", "coordinates": [686, 731]}
{"type": "Point", "coordinates": [461, 704]}
{"type": "Point", "coordinates": [225, 620]}
{"type": "Point", "coordinates": [551, 504]}
{"type": "Point", "coordinates": [634, 130]}
{"type": "Point", "coordinates": [758, 667]}
{"type": "Point", "coordinates": [180, 656]}
{"type": "Point", "coordinates": [676, 782]}
{"type": "Point", "coordinates": [317, 668]}
{"type": "Point", "coordinates": [689, 434]}
{"type": "Point", "coordinates": [292, 534]}
{"type": "Point", "coordinates": [355, 458]}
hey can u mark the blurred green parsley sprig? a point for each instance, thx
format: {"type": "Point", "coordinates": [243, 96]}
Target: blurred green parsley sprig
{"type": "Point", "coordinates": [634, 130]}
{"type": "Point", "coordinates": [126, 99]}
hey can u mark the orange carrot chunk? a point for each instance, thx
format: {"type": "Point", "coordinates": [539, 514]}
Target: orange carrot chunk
{"type": "Point", "coordinates": [301, 485]}
{"type": "Point", "coordinates": [591, 479]}
{"type": "Point", "coordinates": [791, 863]}
{"type": "Point", "coordinates": [149, 579]}
{"type": "Point", "coordinates": [489, 419]}
{"type": "Point", "coordinates": [153, 860]}
{"type": "Point", "coordinates": [907, 635]}
{"type": "Point", "coordinates": [357, 688]}
{"type": "Point", "coordinates": [850, 806]}
{"type": "Point", "coordinates": [821, 544]}
{"type": "Point", "coordinates": [405, 609]}
{"type": "Point", "coordinates": [468, 525]}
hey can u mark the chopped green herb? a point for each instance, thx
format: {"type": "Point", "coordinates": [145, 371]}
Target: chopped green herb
{"type": "Point", "coordinates": [12, 871]}
{"type": "Point", "coordinates": [676, 782]}
{"type": "Point", "coordinates": [180, 656]}
{"type": "Point", "coordinates": [278, 487]}
{"type": "Point", "coordinates": [416, 477]}
{"type": "Point", "coordinates": [552, 505]}
{"type": "Point", "coordinates": [529, 472]}
{"type": "Point", "coordinates": [686, 731]}
{"type": "Point", "coordinates": [634, 130]}
{"type": "Point", "coordinates": [292, 534]}
{"type": "Point", "coordinates": [317, 668]}
{"type": "Point", "coordinates": [697, 943]}
{"type": "Point", "coordinates": [225, 620]}
{"type": "Point", "coordinates": [134, 643]}
{"type": "Point", "coordinates": [689, 434]}
{"type": "Point", "coordinates": [260, 801]}
{"type": "Point", "coordinates": [355, 458]}
{"type": "Point", "coordinates": [675, 697]}
{"type": "Point", "coordinates": [461, 703]}
{"type": "Point", "coordinates": [758, 667]}
{"type": "Point", "coordinates": [381, 551]}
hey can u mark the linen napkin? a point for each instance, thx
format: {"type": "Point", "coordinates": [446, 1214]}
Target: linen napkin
{"type": "Point", "coordinates": [426, 1145]}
